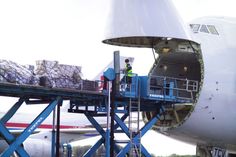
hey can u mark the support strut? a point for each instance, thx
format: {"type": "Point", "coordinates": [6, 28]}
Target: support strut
{"type": "Point", "coordinates": [15, 144]}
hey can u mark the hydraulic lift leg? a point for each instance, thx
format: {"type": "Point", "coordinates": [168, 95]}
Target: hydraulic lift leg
{"type": "Point", "coordinates": [136, 139]}
{"type": "Point", "coordinates": [103, 133]}
{"type": "Point", "coordinates": [93, 149]}
{"type": "Point", "coordinates": [15, 144]}
{"type": "Point", "coordinates": [9, 139]}
{"type": "Point", "coordinates": [12, 111]}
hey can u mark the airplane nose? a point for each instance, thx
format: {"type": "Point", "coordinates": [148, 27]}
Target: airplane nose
{"type": "Point", "coordinates": [142, 23]}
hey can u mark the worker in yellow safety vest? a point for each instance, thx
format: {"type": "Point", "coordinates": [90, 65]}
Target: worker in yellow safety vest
{"type": "Point", "coordinates": [127, 79]}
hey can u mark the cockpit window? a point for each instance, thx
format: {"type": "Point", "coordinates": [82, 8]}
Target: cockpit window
{"type": "Point", "coordinates": [195, 27]}
{"type": "Point", "coordinates": [212, 29]}
{"type": "Point", "coordinates": [204, 29]}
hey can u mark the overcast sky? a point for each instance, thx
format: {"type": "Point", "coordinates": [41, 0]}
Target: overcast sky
{"type": "Point", "coordinates": [70, 31]}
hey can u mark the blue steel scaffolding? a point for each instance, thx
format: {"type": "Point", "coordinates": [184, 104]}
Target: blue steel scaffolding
{"type": "Point", "coordinates": [95, 104]}
{"type": "Point", "coordinates": [37, 95]}
{"type": "Point", "coordinates": [149, 98]}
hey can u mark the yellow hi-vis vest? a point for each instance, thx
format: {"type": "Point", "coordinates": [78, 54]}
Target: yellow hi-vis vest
{"type": "Point", "coordinates": [128, 70]}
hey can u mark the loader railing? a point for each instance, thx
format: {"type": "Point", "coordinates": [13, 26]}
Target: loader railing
{"type": "Point", "coordinates": [173, 87]}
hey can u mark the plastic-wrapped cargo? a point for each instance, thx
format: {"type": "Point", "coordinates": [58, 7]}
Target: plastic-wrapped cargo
{"type": "Point", "coordinates": [45, 70]}
{"type": "Point", "coordinates": [46, 73]}
{"type": "Point", "coordinates": [53, 74]}
{"type": "Point", "coordinates": [45, 67]}
{"type": "Point", "coordinates": [12, 72]}
{"type": "Point", "coordinates": [2, 79]}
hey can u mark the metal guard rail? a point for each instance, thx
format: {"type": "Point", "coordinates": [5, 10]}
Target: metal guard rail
{"type": "Point", "coordinates": [170, 86]}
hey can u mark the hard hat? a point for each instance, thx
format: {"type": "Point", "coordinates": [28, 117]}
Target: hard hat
{"type": "Point", "coordinates": [126, 60]}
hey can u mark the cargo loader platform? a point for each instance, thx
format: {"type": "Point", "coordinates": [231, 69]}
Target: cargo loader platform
{"type": "Point", "coordinates": [32, 94]}
{"type": "Point", "coordinates": [143, 96]}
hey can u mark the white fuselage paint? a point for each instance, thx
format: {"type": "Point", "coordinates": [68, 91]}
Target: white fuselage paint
{"type": "Point", "coordinates": [213, 118]}
{"type": "Point", "coordinates": [212, 122]}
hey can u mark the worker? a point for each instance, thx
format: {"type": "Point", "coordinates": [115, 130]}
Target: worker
{"type": "Point", "coordinates": [127, 79]}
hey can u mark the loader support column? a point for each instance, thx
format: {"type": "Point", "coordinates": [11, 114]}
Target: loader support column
{"type": "Point", "coordinates": [15, 143]}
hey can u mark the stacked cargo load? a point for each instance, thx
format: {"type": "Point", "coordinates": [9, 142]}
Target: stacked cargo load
{"type": "Point", "coordinates": [46, 73]}
{"type": "Point", "coordinates": [55, 75]}
{"type": "Point", "coordinates": [11, 72]}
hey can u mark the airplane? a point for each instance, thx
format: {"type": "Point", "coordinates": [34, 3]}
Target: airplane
{"type": "Point", "coordinates": [204, 51]}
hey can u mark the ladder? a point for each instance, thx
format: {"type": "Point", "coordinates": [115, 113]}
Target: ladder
{"type": "Point", "coordinates": [134, 126]}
